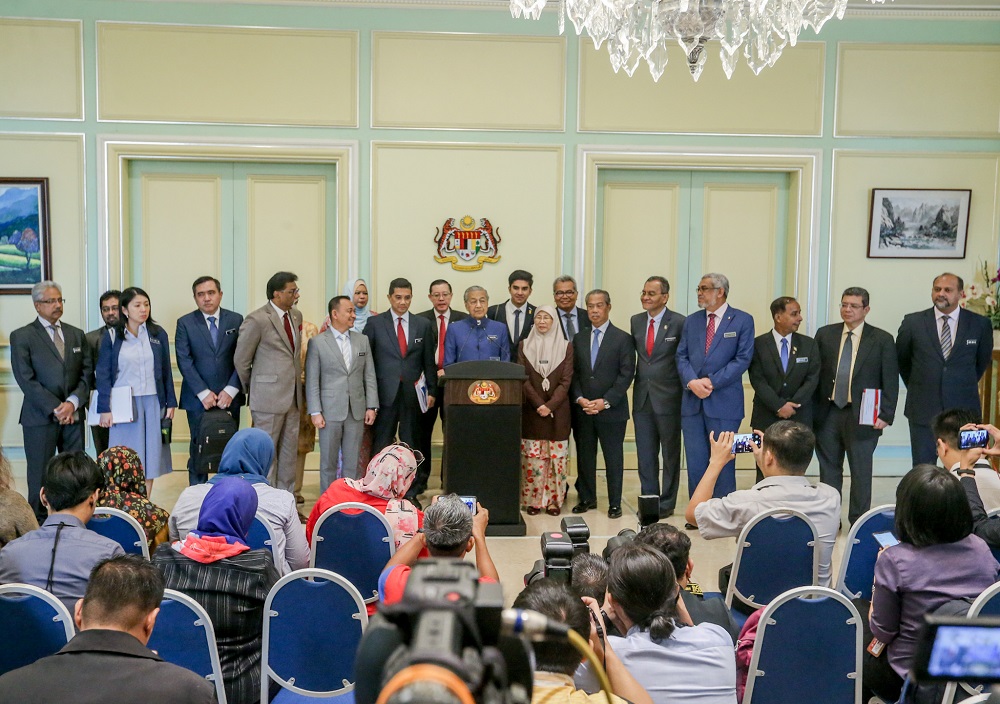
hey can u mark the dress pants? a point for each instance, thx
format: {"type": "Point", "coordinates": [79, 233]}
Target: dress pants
{"type": "Point", "coordinates": [336, 437]}
{"type": "Point", "coordinates": [194, 423]}
{"type": "Point", "coordinates": [656, 433]}
{"type": "Point", "coordinates": [611, 434]}
{"type": "Point", "coordinates": [284, 431]}
{"type": "Point", "coordinates": [40, 445]}
{"type": "Point", "coordinates": [696, 429]}
{"type": "Point", "coordinates": [100, 438]}
{"type": "Point", "coordinates": [837, 436]}
{"type": "Point", "coordinates": [402, 414]}
{"type": "Point", "coordinates": [923, 444]}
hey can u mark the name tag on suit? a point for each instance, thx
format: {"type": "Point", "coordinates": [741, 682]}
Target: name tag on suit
{"type": "Point", "coordinates": [76, 350]}
{"type": "Point", "coordinates": [729, 334]}
{"type": "Point", "coordinates": [801, 360]}
{"type": "Point", "coordinates": [362, 354]}
{"type": "Point", "coordinates": [669, 339]}
{"type": "Point", "coordinates": [231, 331]}
{"type": "Point", "coordinates": [491, 338]}
{"type": "Point", "coordinates": [153, 341]}
{"type": "Point", "coordinates": [971, 342]}
{"type": "Point", "coordinates": [417, 339]}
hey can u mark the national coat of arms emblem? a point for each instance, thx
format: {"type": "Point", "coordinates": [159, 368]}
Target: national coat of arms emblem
{"type": "Point", "coordinates": [484, 392]}
{"type": "Point", "coordinates": [465, 246]}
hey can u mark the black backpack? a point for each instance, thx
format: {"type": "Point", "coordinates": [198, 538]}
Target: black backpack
{"type": "Point", "coordinates": [217, 427]}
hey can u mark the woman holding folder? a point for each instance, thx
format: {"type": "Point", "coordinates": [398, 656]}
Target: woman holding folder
{"type": "Point", "coordinates": [135, 362]}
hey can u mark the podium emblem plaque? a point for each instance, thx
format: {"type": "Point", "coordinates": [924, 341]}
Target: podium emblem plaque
{"type": "Point", "coordinates": [484, 392]}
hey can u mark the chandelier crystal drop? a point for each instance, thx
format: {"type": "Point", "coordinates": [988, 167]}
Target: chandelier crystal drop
{"type": "Point", "coordinates": [641, 30]}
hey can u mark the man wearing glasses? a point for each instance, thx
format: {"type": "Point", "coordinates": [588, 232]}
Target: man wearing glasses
{"type": "Point", "coordinates": [716, 347]}
{"type": "Point", "coordinates": [268, 363]}
{"type": "Point", "coordinates": [52, 364]}
{"type": "Point", "coordinates": [572, 318]}
{"type": "Point", "coordinates": [855, 357]}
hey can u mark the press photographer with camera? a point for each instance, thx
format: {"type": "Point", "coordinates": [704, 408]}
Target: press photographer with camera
{"type": "Point", "coordinates": [450, 530]}
{"type": "Point", "coordinates": [556, 660]}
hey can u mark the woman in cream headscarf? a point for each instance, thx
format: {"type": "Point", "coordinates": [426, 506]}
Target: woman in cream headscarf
{"type": "Point", "coordinates": [545, 420]}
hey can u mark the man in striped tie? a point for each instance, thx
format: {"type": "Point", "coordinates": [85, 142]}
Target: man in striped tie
{"type": "Point", "coordinates": [943, 352]}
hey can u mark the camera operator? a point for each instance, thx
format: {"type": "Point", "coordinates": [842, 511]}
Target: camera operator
{"type": "Point", "coordinates": [589, 576]}
{"type": "Point", "coordinates": [557, 660]}
{"type": "Point", "coordinates": [450, 530]}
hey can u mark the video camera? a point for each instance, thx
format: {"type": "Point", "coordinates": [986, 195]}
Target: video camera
{"type": "Point", "coordinates": [442, 643]}
{"type": "Point", "coordinates": [558, 550]}
{"type": "Point", "coordinates": [958, 649]}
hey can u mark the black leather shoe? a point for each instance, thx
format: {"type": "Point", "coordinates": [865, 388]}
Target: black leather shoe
{"type": "Point", "coordinates": [581, 507]}
{"type": "Point", "coordinates": [690, 526]}
{"type": "Point", "coordinates": [615, 512]}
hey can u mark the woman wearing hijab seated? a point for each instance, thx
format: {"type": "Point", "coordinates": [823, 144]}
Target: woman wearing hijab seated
{"type": "Point", "coordinates": [545, 419]}
{"type": "Point", "coordinates": [125, 490]}
{"type": "Point", "coordinates": [248, 456]}
{"type": "Point", "coordinates": [215, 567]}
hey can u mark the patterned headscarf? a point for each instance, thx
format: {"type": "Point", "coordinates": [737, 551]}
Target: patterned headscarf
{"type": "Point", "coordinates": [389, 476]}
{"type": "Point", "coordinates": [125, 489]}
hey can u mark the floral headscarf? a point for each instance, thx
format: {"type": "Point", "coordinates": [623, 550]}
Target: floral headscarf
{"type": "Point", "coordinates": [126, 489]}
{"type": "Point", "coordinates": [389, 476]}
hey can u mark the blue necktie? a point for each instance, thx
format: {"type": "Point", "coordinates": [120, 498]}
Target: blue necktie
{"type": "Point", "coordinates": [594, 347]}
{"type": "Point", "coordinates": [784, 355]}
{"type": "Point", "coordinates": [213, 330]}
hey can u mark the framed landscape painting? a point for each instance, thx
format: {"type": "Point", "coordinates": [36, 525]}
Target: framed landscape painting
{"type": "Point", "coordinates": [25, 256]}
{"type": "Point", "coordinates": [912, 223]}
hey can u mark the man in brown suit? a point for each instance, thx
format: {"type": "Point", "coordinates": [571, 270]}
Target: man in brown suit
{"type": "Point", "coordinates": [267, 361]}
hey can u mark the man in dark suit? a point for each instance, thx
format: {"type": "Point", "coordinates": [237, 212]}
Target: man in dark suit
{"type": "Point", "coordinates": [715, 349]}
{"type": "Point", "coordinates": [440, 315]}
{"type": "Point", "coordinates": [943, 352]}
{"type": "Point", "coordinates": [52, 364]}
{"type": "Point", "coordinates": [784, 371]}
{"type": "Point", "coordinates": [107, 661]}
{"type": "Point", "coordinates": [855, 356]}
{"type": "Point", "coordinates": [205, 344]}
{"type": "Point", "coordinates": [572, 318]}
{"type": "Point", "coordinates": [109, 314]}
{"type": "Point", "coordinates": [403, 346]}
{"type": "Point", "coordinates": [656, 396]}
{"type": "Point", "coordinates": [603, 367]}
{"type": "Point", "coordinates": [515, 313]}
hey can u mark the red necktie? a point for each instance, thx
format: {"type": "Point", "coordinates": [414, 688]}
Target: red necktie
{"type": "Point", "coordinates": [401, 336]}
{"type": "Point", "coordinates": [441, 332]}
{"type": "Point", "coordinates": [710, 332]}
{"type": "Point", "coordinates": [650, 336]}
{"type": "Point", "coordinates": [288, 331]}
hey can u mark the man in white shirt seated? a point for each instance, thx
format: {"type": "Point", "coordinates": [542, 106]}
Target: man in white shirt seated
{"type": "Point", "coordinates": [785, 452]}
{"type": "Point", "coordinates": [947, 426]}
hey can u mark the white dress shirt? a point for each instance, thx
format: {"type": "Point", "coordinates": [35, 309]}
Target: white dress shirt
{"type": "Point", "coordinates": [855, 342]}
{"type": "Point", "coordinates": [719, 313]}
{"type": "Point", "coordinates": [952, 323]}
{"type": "Point", "coordinates": [510, 318]}
{"type": "Point", "coordinates": [437, 329]}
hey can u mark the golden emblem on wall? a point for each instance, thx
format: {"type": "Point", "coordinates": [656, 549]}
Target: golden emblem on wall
{"type": "Point", "coordinates": [484, 392]}
{"type": "Point", "coordinates": [465, 246]}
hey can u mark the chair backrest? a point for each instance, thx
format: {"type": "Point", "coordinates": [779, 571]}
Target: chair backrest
{"type": "Point", "coordinates": [808, 645]}
{"type": "Point", "coordinates": [305, 654]}
{"type": "Point", "coordinates": [355, 541]}
{"type": "Point", "coordinates": [776, 551]}
{"type": "Point", "coordinates": [33, 624]}
{"type": "Point", "coordinates": [120, 527]}
{"type": "Point", "coordinates": [184, 635]}
{"type": "Point", "coordinates": [857, 567]}
{"type": "Point", "coordinates": [261, 534]}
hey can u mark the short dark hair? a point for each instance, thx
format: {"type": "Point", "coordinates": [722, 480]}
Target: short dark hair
{"type": "Point", "coordinates": [520, 275]}
{"type": "Point", "coordinates": [779, 304]}
{"type": "Point", "coordinates": [856, 291]}
{"type": "Point", "coordinates": [961, 281]}
{"type": "Point", "coordinates": [947, 425]}
{"type": "Point", "coordinates": [205, 279]}
{"type": "Point", "coordinates": [70, 478]}
{"type": "Point", "coordinates": [279, 281]}
{"type": "Point", "coordinates": [642, 582]}
{"type": "Point", "coordinates": [438, 282]}
{"type": "Point", "coordinates": [662, 280]}
{"type": "Point", "coordinates": [931, 507]}
{"type": "Point", "coordinates": [127, 296]}
{"type": "Point", "coordinates": [122, 591]}
{"type": "Point", "coordinates": [110, 293]}
{"type": "Point", "coordinates": [792, 444]}
{"type": "Point", "coordinates": [335, 301]}
{"type": "Point", "coordinates": [669, 540]}
{"type": "Point", "coordinates": [589, 575]}
{"type": "Point", "coordinates": [555, 601]}
{"type": "Point", "coordinates": [399, 283]}
{"type": "Point", "coordinates": [592, 292]}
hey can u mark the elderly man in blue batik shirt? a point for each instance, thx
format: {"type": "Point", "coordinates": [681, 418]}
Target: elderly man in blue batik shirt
{"type": "Point", "coordinates": [476, 337]}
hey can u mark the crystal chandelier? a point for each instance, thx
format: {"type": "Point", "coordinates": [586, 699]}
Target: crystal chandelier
{"type": "Point", "coordinates": [643, 29]}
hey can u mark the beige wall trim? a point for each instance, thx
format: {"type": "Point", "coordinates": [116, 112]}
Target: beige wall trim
{"type": "Point", "coordinates": [79, 117]}
{"type": "Point", "coordinates": [115, 152]}
{"type": "Point", "coordinates": [805, 167]}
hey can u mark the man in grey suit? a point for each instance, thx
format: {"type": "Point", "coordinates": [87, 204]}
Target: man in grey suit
{"type": "Point", "coordinates": [52, 365]}
{"type": "Point", "coordinates": [267, 360]}
{"type": "Point", "coordinates": [341, 392]}
{"type": "Point", "coordinates": [109, 314]}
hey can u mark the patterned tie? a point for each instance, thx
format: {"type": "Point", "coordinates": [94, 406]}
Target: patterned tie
{"type": "Point", "coordinates": [843, 381]}
{"type": "Point", "coordinates": [517, 325]}
{"type": "Point", "coordinates": [345, 349]}
{"type": "Point", "coordinates": [594, 347]}
{"type": "Point", "coordinates": [57, 338]}
{"type": "Point", "coordinates": [213, 330]}
{"type": "Point", "coordinates": [945, 337]}
{"type": "Point", "coordinates": [650, 337]}
{"type": "Point", "coordinates": [401, 336]}
{"type": "Point", "coordinates": [288, 331]}
{"type": "Point", "coordinates": [442, 329]}
{"type": "Point", "coordinates": [710, 332]}
{"type": "Point", "coordinates": [570, 327]}
{"type": "Point", "coordinates": [784, 355]}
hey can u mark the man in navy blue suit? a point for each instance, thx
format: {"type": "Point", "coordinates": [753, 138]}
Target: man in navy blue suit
{"type": "Point", "coordinates": [205, 343]}
{"type": "Point", "coordinates": [716, 347]}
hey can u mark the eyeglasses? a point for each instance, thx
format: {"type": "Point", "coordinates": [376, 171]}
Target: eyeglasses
{"type": "Point", "coordinates": [50, 301]}
{"type": "Point", "coordinates": [292, 291]}
{"type": "Point", "coordinates": [706, 289]}
{"type": "Point", "coordinates": [851, 306]}
{"type": "Point", "coordinates": [565, 293]}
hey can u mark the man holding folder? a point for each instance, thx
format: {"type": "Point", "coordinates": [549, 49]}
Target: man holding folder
{"type": "Point", "coordinates": [857, 359]}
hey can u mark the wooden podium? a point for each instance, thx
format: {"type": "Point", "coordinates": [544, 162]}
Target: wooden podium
{"type": "Point", "coordinates": [482, 439]}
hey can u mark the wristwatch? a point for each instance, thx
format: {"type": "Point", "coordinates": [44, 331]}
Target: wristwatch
{"type": "Point", "coordinates": [606, 405]}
